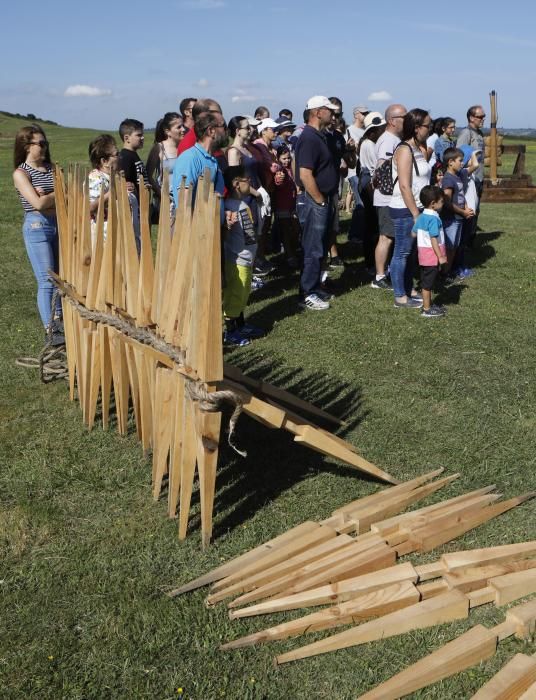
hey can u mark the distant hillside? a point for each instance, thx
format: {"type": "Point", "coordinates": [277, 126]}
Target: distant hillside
{"type": "Point", "coordinates": [28, 117]}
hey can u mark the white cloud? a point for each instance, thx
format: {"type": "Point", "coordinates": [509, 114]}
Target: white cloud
{"type": "Point", "coordinates": [86, 91]}
{"type": "Point", "coordinates": [202, 4]}
{"type": "Point", "coordinates": [243, 98]}
{"type": "Point", "coordinates": [379, 96]}
{"type": "Point", "coordinates": [202, 83]}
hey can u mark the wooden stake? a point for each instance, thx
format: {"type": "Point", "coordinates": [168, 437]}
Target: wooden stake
{"type": "Point", "coordinates": [434, 611]}
{"type": "Point", "coordinates": [511, 681]}
{"type": "Point", "coordinates": [346, 589]}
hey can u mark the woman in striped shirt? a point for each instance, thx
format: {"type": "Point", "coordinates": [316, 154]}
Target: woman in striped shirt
{"type": "Point", "coordinates": [35, 186]}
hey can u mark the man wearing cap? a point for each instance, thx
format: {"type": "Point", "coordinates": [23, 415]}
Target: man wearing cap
{"type": "Point", "coordinates": [473, 136]}
{"type": "Point", "coordinates": [317, 180]}
{"type": "Point", "coordinates": [385, 147]}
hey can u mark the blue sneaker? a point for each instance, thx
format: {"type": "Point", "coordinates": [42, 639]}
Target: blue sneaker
{"type": "Point", "coordinates": [235, 338]}
{"type": "Point", "coordinates": [466, 272]}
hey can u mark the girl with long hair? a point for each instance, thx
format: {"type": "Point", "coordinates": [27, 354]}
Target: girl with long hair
{"type": "Point", "coordinates": [34, 183]}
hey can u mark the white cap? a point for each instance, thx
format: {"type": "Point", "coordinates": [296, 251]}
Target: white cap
{"type": "Point", "coordinates": [320, 101]}
{"type": "Point", "coordinates": [267, 124]}
{"type": "Point", "coordinates": [252, 121]}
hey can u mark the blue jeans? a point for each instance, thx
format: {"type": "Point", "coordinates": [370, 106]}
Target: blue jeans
{"type": "Point", "coordinates": [403, 263]}
{"type": "Point", "coordinates": [315, 221]}
{"type": "Point", "coordinates": [41, 240]}
{"type": "Point", "coordinates": [453, 232]}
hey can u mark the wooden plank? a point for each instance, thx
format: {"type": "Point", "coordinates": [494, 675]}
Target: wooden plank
{"type": "Point", "coordinates": [428, 539]}
{"type": "Point", "coordinates": [476, 645]}
{"type": "Point", "coordinates": [392, 524]}
{"type": "Point", "coordinates": [372, 514]}
{"type": "Point", "coordinates": [511, 681]}
{"type": "Point", "coordinates": [380, 557]}
{"type": "Point", "coordinates": [187, 464]}
{"type": "Point", "coordinates": [96, 258]}
{"type": "Point", "coordinates": [281, 395]}
{"type": "Point", "coordinates": [380, 602]}
{"type": "Point", "coordinates": [481, 596]}
{"type": "Point", "coordinates": [529, 694]}
{"type": "Point", "coordinates": [134, 386]}
{"type": "Point", "coordinates": [297, 545]}
{"type": "Point", "coordinates": [246, 558]}
{"type": "Point", "coordinates": [207, 429]}
{"type": "Point", "coordinates": [321, 442]}
{"type": "Point", "coordinates": [343, 590]}
{"type": "Point", "coordinates": [120, 378]}
{"type": "Point", "coordinates": [146, 267]}
{"type": "Point", "coordinates": [449, 606]}
{"type": "Point", "coordinates": [69, 323]}
{"type": "Point", "coordinates": [489, 555]}
{"type": "Point", "coordinates": [292, 564]}
{"type": "Point", "coordinates": [430, 571]}
{"type": "Point", "coordinates": [129, 259]}
{"type": "Point", "coordinates": [474, 577]}
{"type": "Point", "coordinates": [106, 374]}
{"type": "Point", "coordinates": [432, 588]}
{"type": "Point", "coordinates": [330, 560]}
{"type": "Point", "coordinates": [94, 378]}
{"type": "Point", "coordinates": [162, 426]}
{"type": "Point", "coordinates": [177, 440]}
{"type": "Point", "coordinates": [265, 413]}
{"type": "Point", "coordinates": [379, 496]}
{"type": "Point", "coordinates": [521, 619]}
{"type": "Point", "coordinates": [514, 586]}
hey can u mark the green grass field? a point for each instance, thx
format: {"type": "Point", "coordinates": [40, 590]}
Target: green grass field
{"type": "Point", "coordinates": [86, 553]}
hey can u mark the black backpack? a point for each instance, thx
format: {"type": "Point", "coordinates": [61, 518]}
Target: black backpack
{"type": "Point", "coordinates": [383, 176]}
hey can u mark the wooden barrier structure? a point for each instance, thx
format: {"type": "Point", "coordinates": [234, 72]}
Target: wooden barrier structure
{"type": "Point", "coordinates": [514, 188]}
{"type": "Point", "coordinates": [148, 331]}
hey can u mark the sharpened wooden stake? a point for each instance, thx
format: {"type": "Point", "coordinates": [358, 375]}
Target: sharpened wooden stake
{"type": "Point", "coordinates": [434, 611]}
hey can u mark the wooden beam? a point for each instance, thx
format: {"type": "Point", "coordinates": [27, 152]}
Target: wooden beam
{"type": "Point", "coordinates": [511, 681]}
{"type": "Point", "coordinates": [434, 611]}
{"type": "Point", "coordinates": [345, 589]}
{"type": "Point", "coordinates": [246, 558]}
{"type": "Point", "coordinates": [476, 645]}
{"type": "Point", "coordinates": [380, 602]}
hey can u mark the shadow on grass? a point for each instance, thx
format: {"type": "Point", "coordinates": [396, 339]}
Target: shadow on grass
{"type": "Point", "coordinates": [275, 463]}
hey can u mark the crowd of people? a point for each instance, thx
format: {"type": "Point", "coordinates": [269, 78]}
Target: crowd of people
{"type": "Point", "coordinates": [411, 186]}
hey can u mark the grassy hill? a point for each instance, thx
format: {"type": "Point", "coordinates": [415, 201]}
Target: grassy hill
{"type": "Point", "coordinates": [86, 552]}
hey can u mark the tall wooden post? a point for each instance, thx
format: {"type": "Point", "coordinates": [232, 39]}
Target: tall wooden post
{"type": "Point", "coordinates": [493, 138]}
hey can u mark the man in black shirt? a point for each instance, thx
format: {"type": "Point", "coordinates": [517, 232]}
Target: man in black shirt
{"type": "Point", "coordinates": [317, 180]}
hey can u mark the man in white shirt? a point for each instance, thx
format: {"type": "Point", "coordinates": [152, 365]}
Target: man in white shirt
{"type": "Point", "coordinates": [385, 147]}
{"type": "Point", "coordinates": [355, 131]}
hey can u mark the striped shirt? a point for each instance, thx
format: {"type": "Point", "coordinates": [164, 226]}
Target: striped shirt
{"type": "Point", "coordinates": [44, 180]}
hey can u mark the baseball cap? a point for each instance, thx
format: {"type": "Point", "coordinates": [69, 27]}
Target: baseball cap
{"type": "Point", "coordinates": [467, 153]}
{"type": "Point", "coordinates": [252, 121]}
{"type": "Point", "coordinates": [361, 109]}
{"type": "Point", "coordinates": [267, 123]}
{"type": "Point", "coordinates": [318, 101]}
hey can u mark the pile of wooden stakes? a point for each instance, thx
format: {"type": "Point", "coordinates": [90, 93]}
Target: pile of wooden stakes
{"type": "Point", "coordinates": [148, 331]}
{"type": "Point", "coordinates": [348, 562]}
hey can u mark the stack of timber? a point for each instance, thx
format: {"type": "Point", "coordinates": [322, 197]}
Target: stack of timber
{"type": "Point", "coordinates": [147, 331]}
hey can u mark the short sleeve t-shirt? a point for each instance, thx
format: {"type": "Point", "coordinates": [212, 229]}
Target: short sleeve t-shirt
{"type": "Point", "coordinates": [312, 152]}
{"type": "Point", "coordinates": [240, 243]}
{"type": "Point", "coordinates": [454, 183]}
{"type": "Point", "coordinates": [427, 226]}
{"type": "Point", "coordinates": [132, 165]}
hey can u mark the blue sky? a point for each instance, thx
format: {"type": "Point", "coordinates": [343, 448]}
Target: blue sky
{"type": "Point", "coordinates": [92, 64]}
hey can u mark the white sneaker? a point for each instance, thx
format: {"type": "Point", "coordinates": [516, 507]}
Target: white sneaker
{"type": "Point", "coordinates": [315, 303]}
